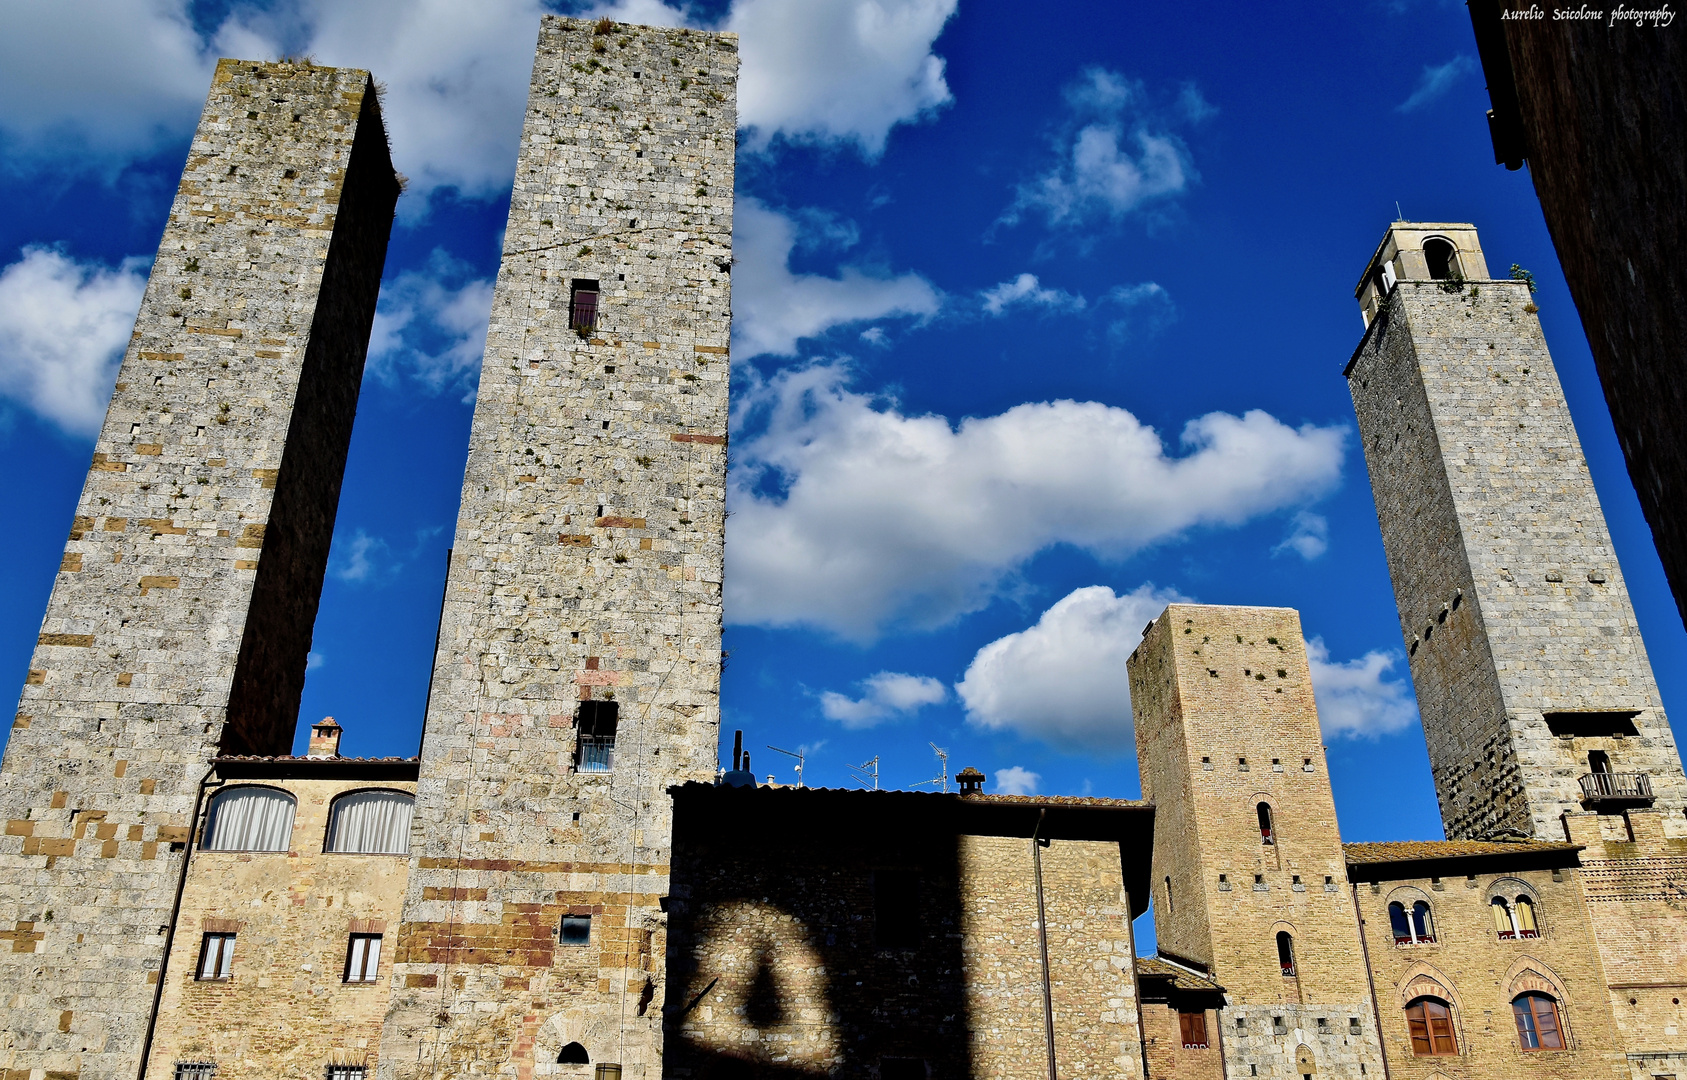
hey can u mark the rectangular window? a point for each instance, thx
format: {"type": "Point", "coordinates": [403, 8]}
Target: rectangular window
{"type": "Point", "coordinates": [896, 909]}
{"type": "Point", "coordinates": [363, 959]}
{"type": "Point", "coordinates": [1192, 1026]}
{"type": "Point", "coordinates": [607, 1072]}
{"type": "Point", "coordinates": [195, 1070]}
{"type": "Point", "coordinates": [576, 930]}
{"type": "Point", "coordinates": [582, 304]}
{"type": "Point", "coordinates": [594, 747]}
{"type": "Point", "coordinates": [346, 1072]}
{"type": "Point", "coordinates": [216, 957]}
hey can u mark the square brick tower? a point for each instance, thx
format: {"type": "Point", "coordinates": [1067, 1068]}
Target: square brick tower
{"type": "Point", "coordinates": [1533, 683]}
{"type": "Point", "coordinates": [1250, 878]}
{"type": "Point", "coordinates": [578, 672]}
{"type": "Point", "coordinates": [181, 617]}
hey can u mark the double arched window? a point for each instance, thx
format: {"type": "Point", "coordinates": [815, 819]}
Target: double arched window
{"type": "Point", "coordinates": [371, 823]}
{"type": "Point", "coordinates": [1414, 927]}
{"type": "Point", "coordinates": [250, 818]}
{"type": "Point", "coordinates": [1538, 1025]}
{"type": "Point", "coordinates": [1515, 918]}
{"type": "Point", "coordinates": [1429, 1021]}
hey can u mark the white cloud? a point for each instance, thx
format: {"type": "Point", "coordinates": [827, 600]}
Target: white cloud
{"type": "Point", "coordinates": [1435, 81]}
{"type": "Point", "coordinates": [1025, 289]}
{"type": "Point", "coordinates": [1014, 780]}
{"type": "Point", "coordinates": [1309, 536]}
{"type": "Point", "coordinates": [1115, 156]}
{"type": "Point", "coordinates": [887, 695]}
{"type": "Point", "coordinates": [1141, 310]}
{"type": "Point", "coordinates": [847, 515]}
{"type": "Point", "coordinates": [63, 328]}
{"type": "Point", "coordinates": [1063, 680]}
{"type": "Point", "coordinates": [314, 660]}
{"type": "Point", "coordinates": [773, 308]}
{"type": "Point", "coordinates": [1354, 700]}
{"type": "Point", "coordinates": [430, 325]}
{"type": "Point", "coordinates": [364, 558]}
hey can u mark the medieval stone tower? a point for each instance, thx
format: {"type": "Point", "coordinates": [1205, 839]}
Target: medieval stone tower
{"type": "Point", "coordinates": [1536, 695]}
{"type": "Point", "coordinates": [1249, 875]}
{"type": "Point", "coordinates": [182, 612]}
{"type": "Point", "coordinates": [579, 660]}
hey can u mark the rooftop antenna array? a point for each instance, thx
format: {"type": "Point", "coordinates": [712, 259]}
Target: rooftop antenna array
{"type": "Point", "coordinates": [941, 780]}
{"type": "Point", "coordinates": [798, 754]}
{"type": "Point", "coordinates": [867, 770]}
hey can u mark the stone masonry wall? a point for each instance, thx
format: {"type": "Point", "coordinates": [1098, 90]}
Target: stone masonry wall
{"type": "Point", "coordinates": [287, 1011]}
{"type": "Point", "coordinates": [1511, 600]}
{"type": "Point", "coordinates": [1479, 974]}
{"type": "Point", "coordinates": [586, 566]}
{"type": "Point", "coordinates": [1225, 720]}
{"type": "Point", "coordinates": [196, 554]}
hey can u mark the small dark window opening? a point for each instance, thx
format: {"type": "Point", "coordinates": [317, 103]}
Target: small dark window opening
{"type": "Point", "coordinates": [576, 930]}
{"type": "Point", "coordinates": [1286, 953]}
{"type": "Point", "coordinates": [582, 304]}
{"type": "Point", "coordinates": [1170, 907]}
{"type": "Point", "coordinates": [1598, 761]}
{"type": "Point", "coordinates": [1592, 725]}
{"type": "Point", "coordinates": [1267, 835]}
{"type": "Point", "coordinates": [1443, 260]}
{"type": "Point", "coordinates": [1192, 1026]}
{"type": "Point", "coordinates": [896, 909]}
{"type": "Point", "coordinates": [573, 1054]}
{"type": "Point", "coordinates": [594, 745]}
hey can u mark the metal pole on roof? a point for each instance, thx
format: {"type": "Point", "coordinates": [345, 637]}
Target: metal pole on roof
{"type": "Point", "coordinates": [798, 754]}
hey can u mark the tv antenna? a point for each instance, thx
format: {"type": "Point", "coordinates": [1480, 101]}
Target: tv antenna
{"type": "Point", "coordinates": [798, 754]}
{"type": "Point", "coordinates": [868, 770]}
{"type": "Point", "coordinates": [941, 780]}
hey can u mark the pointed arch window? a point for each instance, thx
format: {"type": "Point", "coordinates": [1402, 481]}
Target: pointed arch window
{"type": "Point", "coordinates": [1538, 1025]}
{"type": "Point", "coordinates": [1429, 1020]}
{"type": "Point", "coordinates": [573, 1054]}
{"type": "Point", "coordinates": [250, 818]}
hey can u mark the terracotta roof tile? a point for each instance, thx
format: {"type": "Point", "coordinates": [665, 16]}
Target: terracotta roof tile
{"type": "Point", "coordinates": [1421, 850]}
{"type": "Point", "coordinates": [1181, 977]}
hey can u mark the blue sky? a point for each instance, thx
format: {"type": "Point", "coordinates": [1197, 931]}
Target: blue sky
{"type": "Point", "coordinates": [1040, 317]}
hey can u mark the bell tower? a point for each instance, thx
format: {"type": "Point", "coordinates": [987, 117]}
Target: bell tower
{"type": "Point", "coordinates": [1532, 680]}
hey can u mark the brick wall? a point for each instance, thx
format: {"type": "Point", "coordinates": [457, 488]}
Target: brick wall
{"type": "Point", "coordinates": [586, 566]}
{"type": "Point", "coordinates": [180, 620]}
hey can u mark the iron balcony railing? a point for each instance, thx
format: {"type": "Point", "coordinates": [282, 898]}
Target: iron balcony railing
{"type": "Point", "coordinates": [595, 754]}
{"type": "Point", "coordinates": [1617, 787]}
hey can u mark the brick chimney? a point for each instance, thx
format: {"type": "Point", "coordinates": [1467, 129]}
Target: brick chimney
{"type": "Point", "coordinates": [325, 738]}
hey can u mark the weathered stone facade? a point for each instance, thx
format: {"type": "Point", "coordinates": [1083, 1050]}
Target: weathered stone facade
{"type": "Point", "coordinates": [180, 619]}
{"type": "Point", "coordinates": [586, 569]}
{"type": "Point", "coordinates": [1467, 964]}
{"type": "Point", "coordinates": [287, 1009]}
{"type": "Point", "coordinates": [1246, 845]}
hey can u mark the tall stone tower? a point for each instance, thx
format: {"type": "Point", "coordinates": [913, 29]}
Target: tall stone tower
{"type": "Point", "coordinates": [1250, 879]}
{"type": "Point", "coordinates": [579, 660]}
{"type": "Point", "coordinates": [181, 617]}
{"type": "Point", "coordinates": [1533, 683]}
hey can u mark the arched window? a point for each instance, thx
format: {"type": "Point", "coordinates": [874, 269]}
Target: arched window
{"type": "Point", "coordinates": [371, 823]}
{"type": "Point", "coordinates": [1401, 922]}
{"type": "Point", "coordinates": [1598, 761]}
{"type": "Point", "coordinates": [1524, 916]}
{"type": "Point", "coordinates": [250, 819]}
{"type": "Point", "coordinates": [1503, 925]}
{"type": "Point", "coordinates": [1423, 924]}
{"type": "Point", "coordinates": [1414, 927]}
{"type": "Point", "coordinates": [1430, 1022]}
{"type": "Point", "coordinates": [573, 1054]}
{"type": "Point", "coordinates": [1267, 834]}
{"type": "Point", "coordinates": [1537, 1021]}
{"type": "Point", "coordinates": [1443, 259]}
{"type": "Point", "coordinates": [1286, 953]}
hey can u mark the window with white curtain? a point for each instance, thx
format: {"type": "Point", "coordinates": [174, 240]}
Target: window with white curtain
{"type": "Point", "coordinates": [250, 819]}
{"type": "Point", "coordinates": [371, 823]}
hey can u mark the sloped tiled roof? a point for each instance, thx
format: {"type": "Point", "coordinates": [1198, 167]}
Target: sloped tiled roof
{"type": "Point", "coordinates": [1429, 850]}
{"type": "Point", "coordinates": [1182, 978]}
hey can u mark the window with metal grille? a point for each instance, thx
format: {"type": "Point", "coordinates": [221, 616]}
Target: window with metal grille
{"type": "Point", "coordinates": [363, 958]}
{"type": "Point", "coordinates": [594, 746]}
{"type": "Point", "coordinates": [346, 1072]}
{"type": "Point", "coordinates": [216, 958]}
{"type": "Point", "coordinates": [1430, 1023]}
{"type": "Point", "coordinates": [582, 305]}
{"type": "Point", "coordinates": [195, 1070]}
{"type": "Point", "coordinates": [1192, 1026]}
{"type": "Point", "coordinates": [1538, 1027]}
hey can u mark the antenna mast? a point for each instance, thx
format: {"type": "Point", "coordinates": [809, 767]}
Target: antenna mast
{"type": "Point", "coordinates": [941, 780]}
{"type": "Point", "coordinates": [865, 771]}
{"type": "Point", "coordinates": [798, 754]}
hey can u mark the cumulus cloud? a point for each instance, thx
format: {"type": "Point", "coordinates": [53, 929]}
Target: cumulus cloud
{"type": "Point", "coordinates": [363, 558]}
{"type": "Point", "coordinates": [1354, 698]}
{"type": "Point", "coordinates": [1435, 81]}
{"type": "Point", "coordinates": [1137, 311]}
{"type": "Point", "coordinates": [885, 696]}
{"type": "Point", "coordinates": [1115, 154]}
{"type": "Point", "coordinates": [1063, 681]}
{"type": "Point", "coordinates": [848, 515]}
{"type": "Point", "coordinates": [1026, 290]}
{"type": "Point", "coordinates": [430, 327]}
{"type": "Point", "coordinates": [63, 327]}
{"type": "Point", "coordinates": [773, 308]}
{"type": "Point", "coordinates": [1014, 780]}
{"type": "Point", "coordinates": [1309, 536]}
{"type": "Point", "coordinates": [101, 80]}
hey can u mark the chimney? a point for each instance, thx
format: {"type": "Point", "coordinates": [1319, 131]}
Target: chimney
{"type": "Point", "coordinates": [325, 738]}
{"type": "Point", "coordinates": [971, 780]}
